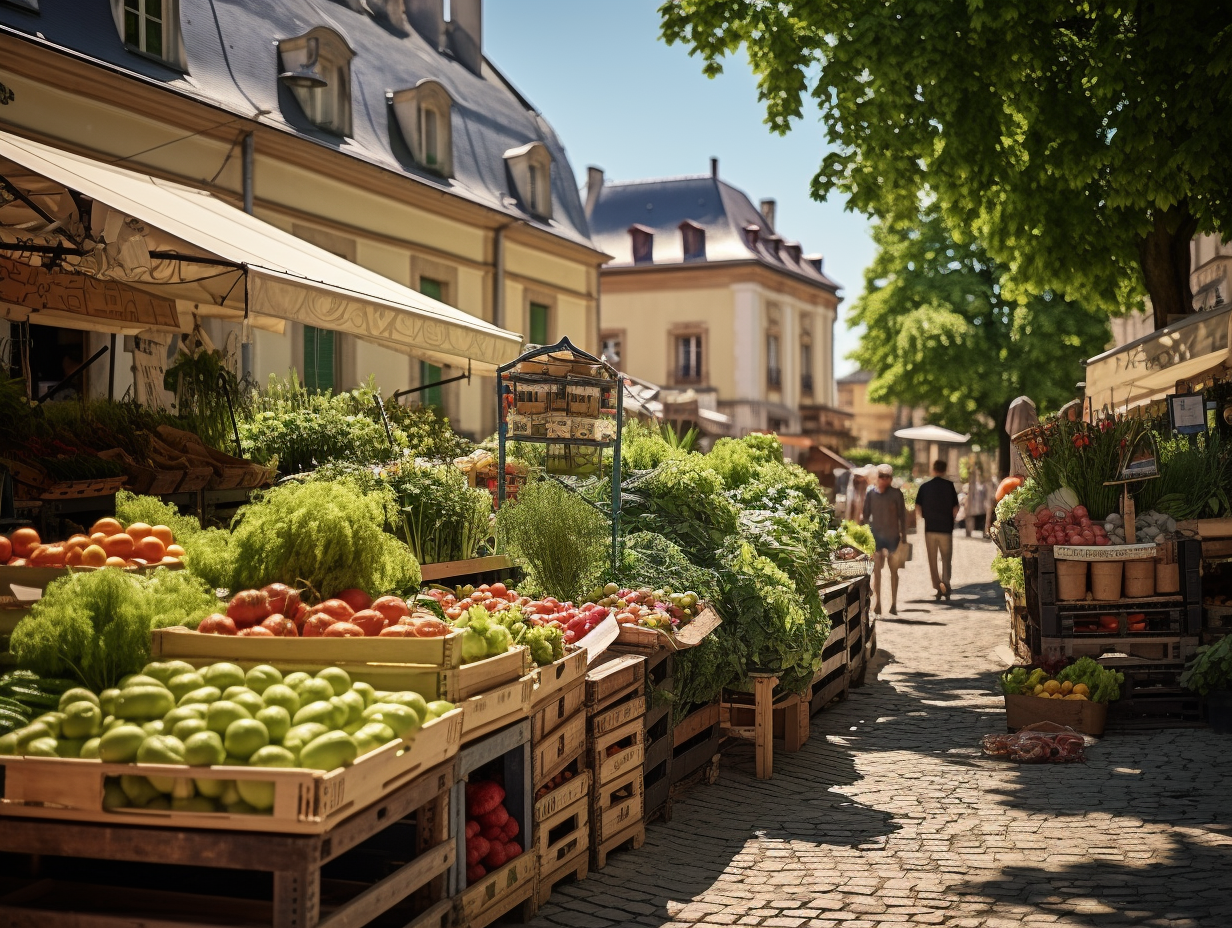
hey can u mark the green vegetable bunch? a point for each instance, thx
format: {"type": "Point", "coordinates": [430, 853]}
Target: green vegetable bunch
{"type": "Point", "coordinates": [651, 560]}
{"type": "Point", "coordinates": [1027, 496]}
{"type": "Point", "coordinates": [683, 500]}
{"type": "Point", "coordinates": [859, 537]}
{"type": "Point", "coordinates": [1211, 668]}
{"type": "Point", "coordinates": [1020, 681]}
{"type": "Point", "coordinates": [644, 448]}
{"type": "Point", "coordinates": [546, 642]}
{"type": "Point", "coordinates": [95, 626]}
{"type": "Point", "coordinates": [1008, 571]}
{"type": "Point", "coordinates": [443, 519]}
{"type": "Point", "coordinates": [151, 510]}
{"type": "Point", "coordinates": [1104, 684]}
{"type": "Point", "coordinates": [484, 635]}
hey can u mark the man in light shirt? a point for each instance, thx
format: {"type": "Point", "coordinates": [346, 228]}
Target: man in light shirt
{"type": "Point", "coordinates": [885, 512]}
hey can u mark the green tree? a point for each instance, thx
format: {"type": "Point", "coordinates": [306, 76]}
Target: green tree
{"type": "Point", "coordinates": [941, 333]}
{"type": "Point", "coordinates": [1083, 142]}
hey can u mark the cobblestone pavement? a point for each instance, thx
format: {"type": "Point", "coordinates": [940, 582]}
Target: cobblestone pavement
{"type": "Point", "coordinates": [891, 816]}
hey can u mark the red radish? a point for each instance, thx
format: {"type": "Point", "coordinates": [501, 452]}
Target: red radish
{"type": "Point", "coordinates": [248, 608]}
{"type": "Point", "coordinates": [356, 599]}
{"type": "Point", "coordinates": [217, 625]}
{"type": "Point", "coordinates": [343, 630]}
{"type": "Point", "coordinates": [281, 626]}
{"type": "Point", "coordinates": [256, 631]}
{"type": "Point", "coordinates": [334, 608]}
{"type": "Point", "coordinates": [282, 598]}
{"type": "Point", "coordinates": [392, 607]}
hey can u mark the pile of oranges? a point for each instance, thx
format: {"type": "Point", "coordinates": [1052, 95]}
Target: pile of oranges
{"type": "Point", "coordinates": [108, 544]}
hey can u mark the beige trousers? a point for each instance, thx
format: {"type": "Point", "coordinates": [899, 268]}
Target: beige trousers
{"type": "Point", "coordinates": [883, 559]}
{"type": "Point", "coordinates": [939, 545]}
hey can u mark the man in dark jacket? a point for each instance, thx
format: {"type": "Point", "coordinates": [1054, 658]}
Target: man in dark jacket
{"type": "Point", "coordinates": [937, 501]}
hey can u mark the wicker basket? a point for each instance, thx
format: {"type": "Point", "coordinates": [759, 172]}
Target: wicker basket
{"type": "Point", "coordinates": [860, 567]}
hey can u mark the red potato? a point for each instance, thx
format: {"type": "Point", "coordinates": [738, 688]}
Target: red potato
{"type": "Point", "coordinates": [497, 817]}
{"type": "Point", "coordinates": [511, 829]}
{"type": "Point", "coordinates": [392, 607]}
{"type": "Point", "coordinates": [217, 625]}
{"type": "Point", "coordinates": [343, 630]}
{"type": "Point", "coordinates": [256, 631]}
{"type": "Point", "coordinates": [282, 599]}
{"type": "Point", "coordinates": [369, 621]}
{"type": "Point", "coordinates": [431, 628]}
{"type": "Point", "coordinates": [496, 857]}
{"type": "Point", "coordinates": [280, 626]}
{"type": "Point", "coordinates": [492, 833]}
{"type": "Point", "coordinates": [512, 850]}
{"type": "Point", "coordinates": [248, 608]}
{"type": "Point", "coordinates": [356, 599]}
{"type": "Point", "coordinates": [472, 828]}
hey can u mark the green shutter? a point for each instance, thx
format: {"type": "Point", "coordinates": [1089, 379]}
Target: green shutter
{"type": "Point", "coordinates": [318, 359]}
{"type": "Point", "coordinates": [429, 373]}
{"type": "Point", "coordinates": [538, 324]}
{"type": "Point", "coordinates": [432, 288]}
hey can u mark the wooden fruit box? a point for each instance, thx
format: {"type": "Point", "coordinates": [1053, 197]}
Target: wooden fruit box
{"type": "Point", "coordinates": [631, 740]}
{"type": "Point", "coordinates": [305, 801]}
{"type": "Point", "coordinates": [613, 679]}
{"type": "Point", "coordinates": [552, 754]}
{"type": "Point", "coordinates": [487, 712]}
{"type": "Point", "coordinates": [40, 577]}
{"type": "Point", "coordinates": [564, 795]}
{"type": "Point", "coordinates": [443, 570]}
{"type": "Point", "coordinates": [1090, 718]}
{"type": "Point", "coordinates": [617, 805]}
{"type": "Point", "coordinates": [75, 489]}
{"type": "Point", "coordinates": [649, 640]}
{"type": "Point", "coordinates": [559, 675]}
{"type": "Point", "coordinates": [562, 848]}
{"type": "Point", "coordinates": [617, 716]}
{"type": "Point", "coordinates": [695, 723]}
{"type": "Point", "coordinates": [498, 892]}
{"type": "Point", "coordinates": [546, 716]}
{"type": "Point", "coordinates": [184, 644]}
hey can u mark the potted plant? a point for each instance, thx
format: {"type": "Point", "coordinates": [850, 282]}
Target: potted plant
{"type": "Point", "coordinates": [1210, 674]}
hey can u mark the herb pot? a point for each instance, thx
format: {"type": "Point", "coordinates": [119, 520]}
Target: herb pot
{"type": "Point", "coordinates": [1219, 710]}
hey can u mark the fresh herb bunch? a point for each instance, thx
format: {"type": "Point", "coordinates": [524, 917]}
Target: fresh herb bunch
{"type": "Point", "coordinates": [700, 673]}
{"type": "Point", "coordinates": [427, 432]}
{"type": "Point", "coordinates": [1104, 684]}
{"type": "Point", "coordinates": [151, 510]}
{"type": "Point", "coordinates": [1210, 669]}
{"type": "Point", "coordinates": [1082, 457]}
{"type": "Point", "coordinates": [644, 448]}
{"type": "Point", "coordinates": [1192, 481]}
{"type": "Point", "coordinates": [443, 519]}
{"type": "Point", "coordinates": [683, 500]}
{"type": "Point", "coordinates": [195, 379]}
{"type": "Point", "coordinates": [647, 559]}
{"type": "Point", "coordinates": [562, 540]}
{"type": "Point", "coordinates": [858, 536]}
{"type": "Point", "coordinates": [1008, 571]}
{"type": "Point", "coordinates": [95, 626]}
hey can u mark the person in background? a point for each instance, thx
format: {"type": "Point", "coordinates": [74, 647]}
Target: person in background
{"type": "Point", "coordinates": [937, 501]}
{"type": "Point", "coordinates": [857, 488]}
{"type": "Point", "coordinates": [885, 512]}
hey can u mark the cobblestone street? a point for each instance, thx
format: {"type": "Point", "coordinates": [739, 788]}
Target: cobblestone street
{"type": "Point", "coordinates": [891, 815]}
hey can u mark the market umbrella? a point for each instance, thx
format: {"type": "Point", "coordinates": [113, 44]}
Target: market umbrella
{"type": "Point", "coordinates": [933, 434]}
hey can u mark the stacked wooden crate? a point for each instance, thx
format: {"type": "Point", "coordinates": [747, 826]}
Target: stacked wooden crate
{"type": "Point", "coordinates": [560, 774]}
{"type": "Point", "coordinates": [616, 709]}
{"type": "Point", "coordinates": [657, 726]}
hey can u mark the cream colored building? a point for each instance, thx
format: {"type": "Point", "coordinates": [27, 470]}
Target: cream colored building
{"type": "Point", "coordinates": [375, 130]}
{"type": "Point", "coordinates": [704, 294]}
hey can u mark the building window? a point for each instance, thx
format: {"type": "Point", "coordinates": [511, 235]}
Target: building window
{"type": "Point", "coordinates": [774, 372]}
{"type": "Point", "coordinates": [319, 358]}
{"type": "Point", "coordinates": [317, 69]}
{"type": "Point", "coordinates": [613, 347]}
{"type": "Point", "coordinates": [423, 115]}
{"type": "Point", "coordinates": [777, 425]}
{"type": "Point", "coordinates": [151, 27]}
{"type": "Point", "coordinates": [806, 368]}
{"type": "Point", "coordinates": [642, 240]}
{"type": "Point", "coordinates": [530, 170]}
{"type": "Point", "coordinates": [693, 241]}
{"type": "Point", "coordinates": [538, 328]}
{"type": "Point", "coordinates": [432, 288]}
{"type": "Point", "coordinates": [688, 358]}
{"type": "Point", "coordinates": [429, 373]}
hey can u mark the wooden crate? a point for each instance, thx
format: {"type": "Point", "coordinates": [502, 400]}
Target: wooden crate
{"type": "Point", "coordinates": [553, 753]}
{"type": "Point", "coordinates": [502, 890]}
{"type": "Point", "coordinates": [1152, 697]}
{"type": "Point", "coordinates": [695, 746]}
{"type": "Point", "coordinates": [1140, 646]}
{"type": "Point", "coordinates": [629, 739]}
{"type": "Point", "coordinates": [633, 706]}
{"type": "Point", "coordinates": [641, 640]}
{"type": "Point", "coordinates": [497, 708]}
{"type": "Point", "coordinates": [1079, 714]}
{"type": "Point", "coordinates": [561, 675]}
{"type": "Point", "coordinates": [442, 570]}
{"type": "Point", "coordinates": [832, 679]}
{"type": "Point", "coordinates": [566, 794]}
{"type": "Point", "coordinates": [616, 678]}
{"type": "Point", "coordinates": [549, 714]}
{"type": "Point", "coordinates": [305, 801]}
{"type": "Point", "coordinates": [562, 848]}
{"type": "Point", "coordinates": [617, 804]}
{"type": "Point", "coordinates": [294, 860]}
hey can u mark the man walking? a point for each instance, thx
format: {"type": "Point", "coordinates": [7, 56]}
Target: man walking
{"type": "Point", "coordinates": [885, 512]}
{"type": "Point", "coordinates": [937, 500]}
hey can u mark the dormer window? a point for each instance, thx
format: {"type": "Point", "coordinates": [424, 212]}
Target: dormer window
{"type": "Point", "coordinates": [316, 66]}
{"type": "Point", "coordinates": [751, 234]}
{"type": "Point", "coordinates": [530, 169]}
{"type": "Point", "coordinates": [693, 240]}
{"type": "Point", "coordinates": [642, 240]}
{"type": "Point", "coordinates": [151, 27]}
{"type": "Point", "coordinates": [424, 115]}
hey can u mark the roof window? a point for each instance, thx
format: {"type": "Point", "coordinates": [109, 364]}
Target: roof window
{"type": "Point", "coordinates": [643, 244]}
{"type": "Point", "coordinates": [151, 27]}
{"type": "Point", "coordinates": [317, 69]}
{"type": "Point", "coordinates": [424, 116]}
{"type": "Point", "coordinates": [530, 168]}
{"type": "Point", "coordinates": [693, 240]}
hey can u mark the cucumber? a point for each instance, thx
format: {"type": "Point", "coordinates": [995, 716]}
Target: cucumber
{"type": "Point", "coordinates": [34, 697]}
{"type": "Point", "coordinates": [17, 676]}
{"type": "Point", "coordinates": [56, 685]}
{"type": "Point", "coordinates": [11, 720]}
{"type": "Point", "coordinates": [13, 706]}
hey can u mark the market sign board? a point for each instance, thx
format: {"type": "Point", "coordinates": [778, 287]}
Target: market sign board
{"type": "Point", "coordinates": [1104, 552]}
{"type": "Point", "coordinates": [37, 288]}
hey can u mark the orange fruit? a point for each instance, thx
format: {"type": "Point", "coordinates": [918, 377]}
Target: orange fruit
{"type": "Point", "coordinates": [120, 546]}
{"type": "Point", "coordinates": [107, 526]}
{"type": "Point", "coordinates": [24, 541]}
{"type": "Point", "coordinates": [150, 549]}
{"type": "Point", "coordinates": [174, 550]}
{"type": "Point", "coordinates": [169, 559]}
{"type": "Point", "coordinates": [6, 549]}
{"type": "Point", "coordinates": [163, 534]}
{"type": "Point", "coordinates": [139, 530]}
{"type": "Point", "coordinates": [115, 562]}
{"type": "Point", "coordinates": [93, 556]}
{"type": "Point", "coordinates": [73, 557]}
{"type": "Point", "coordinates": [77, 541]}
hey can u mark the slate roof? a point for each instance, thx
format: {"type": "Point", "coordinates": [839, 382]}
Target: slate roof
{"type": "Point", "coordinates": [860, 376]}
{"type": "Point", "coordinates": [233, 64]}
{"type": "Point", "coordinates": [662, 204]}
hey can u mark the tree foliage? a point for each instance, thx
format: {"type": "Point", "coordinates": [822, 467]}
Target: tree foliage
{"type": "Point", "coordinates": [1081, 141]}
{"type": "Point", "coordinates": [942, 334]}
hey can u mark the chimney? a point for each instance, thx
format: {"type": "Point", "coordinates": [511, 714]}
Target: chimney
{"type": "Point", "coordinates": [751, 232]}
{"type": "Point", "coordinates": [427, 17]}
{"type": "Point", "coordinates": [767, 213]}
{"type": "Point", "coordinates": [594, 183]}
{"type": "Point", "coordinates": [465, 31]}
{"type": "Point", "coordinates": [714, 168]}
{"type": "Point", "coordinates": [643, 244]}
{"type": "Point", "coordinates": [816, 261]}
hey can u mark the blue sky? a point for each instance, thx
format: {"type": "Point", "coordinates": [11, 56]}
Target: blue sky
{"type": "Point", "coordinates": [623, 100]}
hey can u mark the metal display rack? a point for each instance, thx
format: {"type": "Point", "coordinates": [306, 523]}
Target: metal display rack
{"type": "Point", "coordinates": [509, 375]}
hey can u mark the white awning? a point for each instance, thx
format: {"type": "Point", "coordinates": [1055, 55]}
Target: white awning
{"type": "Point", "coordinates": [246, 263]}
{"type": "Point", "coordinates": [1147, 369]}
{"type": "Point", "coordinates": [931, 433]}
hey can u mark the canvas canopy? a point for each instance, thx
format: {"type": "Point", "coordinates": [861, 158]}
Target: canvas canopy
{"type": "Point", "coordinates": [143, 252]}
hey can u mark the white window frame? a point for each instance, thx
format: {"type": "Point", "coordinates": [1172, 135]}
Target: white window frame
{"type": "Point", "coordinates": [412, 108]}
{"type": "Point", "coordinates": [327, 53]}
{"type": "Point", "coordinates": [689, 358]}
{"type": "Point", "coordinates": [171, 37]}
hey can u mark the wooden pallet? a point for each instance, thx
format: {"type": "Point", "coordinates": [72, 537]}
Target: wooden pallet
{"type": "Point", "coordinates": [305, 801]}
{"type": "Point", "coordinates": [634, 836]}
{"type": "Point", "coordinates": [294, 860]}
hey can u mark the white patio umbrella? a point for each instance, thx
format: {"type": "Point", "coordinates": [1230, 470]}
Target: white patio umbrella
{"type": "Point", "coordinates": [933, 434]}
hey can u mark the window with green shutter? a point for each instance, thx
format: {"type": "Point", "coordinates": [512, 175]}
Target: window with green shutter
{"type": "Point", "coordinates": [432, 288]}
{"type": "Point", "coordinates": [429, 373]}
{"type": "Point", "coordinates": [318, 359]}
{"type": "Point", "coordinates": [538, 324]}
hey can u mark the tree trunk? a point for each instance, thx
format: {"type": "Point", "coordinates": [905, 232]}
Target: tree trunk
{"type": "Point", "coordinates": [1164, 255]}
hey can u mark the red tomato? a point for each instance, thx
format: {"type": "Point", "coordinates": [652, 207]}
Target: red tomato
{"type": "Point", "coordinates": [6, 549]}
{"type": "Point", "coordinates": [24, 541]}
{"type": "Point", "coordinates": [499, 590]}
{"type": "Point", "coordinates": [356, 599]}
{"type": "Point", "coordinates": [248, 608]}
{"type": "Point", "coordinates": [317, 624]}
{"type": "Point", "coordinates": [343, 630]}
{"type": "Point", "coordinates": [217, 625]}
{"type": "Point", "coordinates": [282, 599]}
{"type": "Point", "coordinates": [370, 622]}
{"type": "Point", "coordinates": [392, 607]}
{"type": "Point", "coordinates": [281, 626]}
{"type": "Point", "coordinates": [334, 608]}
